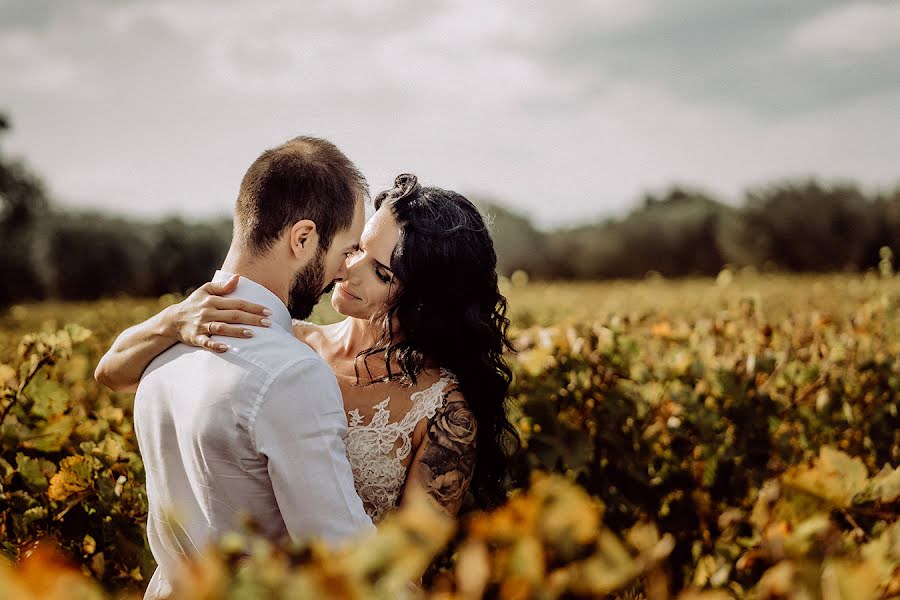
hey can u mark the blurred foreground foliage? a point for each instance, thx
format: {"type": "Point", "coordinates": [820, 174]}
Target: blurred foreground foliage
{"type": "Point", "coordinates": [736, 437]}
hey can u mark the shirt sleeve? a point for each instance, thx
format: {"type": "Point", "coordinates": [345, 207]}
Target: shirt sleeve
{"type": "Point", "coordinates": [300, 428]}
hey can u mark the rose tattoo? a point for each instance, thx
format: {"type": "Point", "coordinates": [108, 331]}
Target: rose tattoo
{"type": "Point", "coordinates": [447, 463]}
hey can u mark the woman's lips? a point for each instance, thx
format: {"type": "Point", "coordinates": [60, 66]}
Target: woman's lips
{"type": "Point", "coordinates": [345, 293]}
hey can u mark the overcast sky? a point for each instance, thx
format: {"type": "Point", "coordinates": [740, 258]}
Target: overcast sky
{"type": "Point", "coordinates": [564, 110]}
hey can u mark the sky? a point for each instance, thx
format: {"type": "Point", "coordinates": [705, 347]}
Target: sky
{"type": "Point", "coordinates": [565, 111]}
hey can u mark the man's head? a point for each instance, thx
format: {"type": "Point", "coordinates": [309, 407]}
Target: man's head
{"type": "Point", "coordinates": [301, 211]}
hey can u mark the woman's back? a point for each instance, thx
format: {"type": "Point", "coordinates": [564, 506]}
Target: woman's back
{"type": "Point", "coordinates": [386, 420]}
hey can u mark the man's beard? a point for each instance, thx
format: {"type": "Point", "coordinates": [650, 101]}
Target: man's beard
{"type": "Point", "coordinates": [308, 286]}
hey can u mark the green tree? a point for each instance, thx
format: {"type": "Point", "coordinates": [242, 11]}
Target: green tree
{"type": "Point", "coordinates": [887, 210]}
{"type": "Point", "coordinates": [23, 206]}
{"type": "Point", "coordinates": [802, 227]}
{"type": "Point", "coordinates": [517, 243]}
{"type": "Point", "coordinates": [673, 234]}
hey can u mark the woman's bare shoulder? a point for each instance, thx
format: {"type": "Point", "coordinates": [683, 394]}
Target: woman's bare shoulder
{"type": "Point", "coordinates": [312, 334]}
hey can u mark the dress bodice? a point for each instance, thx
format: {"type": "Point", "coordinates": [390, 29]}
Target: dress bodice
{"type": "Point", "coordinates": [377, 450]}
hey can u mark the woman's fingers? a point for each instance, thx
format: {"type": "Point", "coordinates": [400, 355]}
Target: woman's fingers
{"type": "Point", "coordinates": [221, 288]}
{"type": "Point", "coordinates": [214, 299]}
{"type": "Point", "coordinates": [226, 330]}
{"type": "Point", "coordinates": [204, 341]}
{"type": "Point", "coordinates": [239, 317]}
{"type": "Point", "coordinates": [236, 304]}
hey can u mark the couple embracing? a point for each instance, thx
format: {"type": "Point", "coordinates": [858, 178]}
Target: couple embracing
{"type": "Point", "coordinates": [246, 410]}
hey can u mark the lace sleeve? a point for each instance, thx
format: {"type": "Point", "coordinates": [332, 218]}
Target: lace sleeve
{"type": "Point", "coordinates": [445, 461]}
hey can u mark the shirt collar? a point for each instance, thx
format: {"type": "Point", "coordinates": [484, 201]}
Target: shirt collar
{"type": "Point", "coordinates": [249, 290]}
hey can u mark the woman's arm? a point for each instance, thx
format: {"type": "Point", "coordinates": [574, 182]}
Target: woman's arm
{"type": "Point", "coordinates": [121, 367]}
{"type": "Point", "coordinates": [189, 321]}
{"type": "Point", "coordinates": [444, 463]}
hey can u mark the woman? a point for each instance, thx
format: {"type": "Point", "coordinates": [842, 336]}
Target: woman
{"type": "Point", "coordinates": [419, 358]}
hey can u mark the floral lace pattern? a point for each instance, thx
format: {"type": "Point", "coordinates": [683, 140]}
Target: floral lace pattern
{"type": "Point", "coordinates": [373, 451]}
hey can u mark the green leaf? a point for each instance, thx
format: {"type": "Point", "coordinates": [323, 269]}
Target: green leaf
{"type": "Point", "coordinates": [6, 471]}
{"type": "Point", "coordinates": [91, 430]}
{"type": "Point", "coordinates": [53, 435]}
{"type": "Point", "coordinates": [35, 472]}
{"type": "Point", "coordinates": [34, 514]}
{"type": "Point", "coordinates": [48, 396]}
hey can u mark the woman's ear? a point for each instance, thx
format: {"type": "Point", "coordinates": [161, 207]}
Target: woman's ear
{"type": "Point", "coordinates": [304, 239]}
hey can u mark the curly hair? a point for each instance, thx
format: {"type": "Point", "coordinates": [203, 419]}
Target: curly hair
{"type": "Point", "coordinates": [449, 311]}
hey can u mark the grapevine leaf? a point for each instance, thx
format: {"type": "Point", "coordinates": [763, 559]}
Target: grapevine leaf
{"type": "Point", "coordinates": [49, 397]}
{"type": "Point", "coordinates": [52, 436]}
{"type": "Point", "coordinates": [34, 514]}
{"type": "Point", "coordinates": [76, 474]}
{"type": "Point", "coordinates": [34, 471]}
{"type": "Point", "coordinates": [884, 487]}
{"type": "Point", "coordinates": [834, 476]}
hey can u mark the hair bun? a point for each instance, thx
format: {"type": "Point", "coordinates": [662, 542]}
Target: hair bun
{"type": "Point", "coordinates": [404, 185]}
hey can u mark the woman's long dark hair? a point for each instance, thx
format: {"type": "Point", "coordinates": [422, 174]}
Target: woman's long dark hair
{"type": "Point", "coordinates": [449, 312]}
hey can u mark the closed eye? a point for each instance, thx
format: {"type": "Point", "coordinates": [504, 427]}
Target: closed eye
{"type": "Point", "coordinates": [384, 277]}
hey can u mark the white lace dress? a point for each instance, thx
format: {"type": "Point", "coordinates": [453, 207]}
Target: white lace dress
{"type": "Point", "coordinates": [377, 449]}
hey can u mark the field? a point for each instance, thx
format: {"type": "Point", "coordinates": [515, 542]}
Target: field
{"type": "Point", "coordinates": [729, 437]}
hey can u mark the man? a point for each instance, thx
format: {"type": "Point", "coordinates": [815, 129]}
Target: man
{"type": "Point", "coordinates": [258, 431]}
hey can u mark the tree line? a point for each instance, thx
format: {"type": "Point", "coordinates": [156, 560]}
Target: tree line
{"type": "Point", "coordinates": [47, 252]}
{"type": "Point", "coordinates": [799, 226]}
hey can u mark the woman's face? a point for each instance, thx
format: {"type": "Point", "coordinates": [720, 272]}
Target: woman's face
{"type": "Point", "coordinates": [370, 281]}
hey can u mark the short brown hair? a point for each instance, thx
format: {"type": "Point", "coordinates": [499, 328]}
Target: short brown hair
{"type": "Point", "coordinates": [304, 178]}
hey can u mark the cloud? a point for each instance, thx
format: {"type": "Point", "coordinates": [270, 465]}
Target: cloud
{"type": "Point", "coordinates": [154, 107]}
{"type": "Point", "coordinates": [26, 63]}
{"type": "Point", "coordinates": [737, 54]}
{"type": "Point", "coordinates": [859, 28]}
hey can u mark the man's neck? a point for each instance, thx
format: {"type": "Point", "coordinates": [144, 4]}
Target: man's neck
{"type": "Point", "coordinates": [257, 269]}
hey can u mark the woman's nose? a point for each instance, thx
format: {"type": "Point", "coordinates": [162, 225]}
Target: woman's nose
{"type": "Point", "coordinates": [351, 268]}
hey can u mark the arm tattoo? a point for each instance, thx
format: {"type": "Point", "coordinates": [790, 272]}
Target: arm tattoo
{"type": "Point", "coordinates": [447, 461]}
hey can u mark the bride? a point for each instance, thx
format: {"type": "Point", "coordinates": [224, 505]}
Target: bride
{"type": "Point", "coordinates": [419, 358]}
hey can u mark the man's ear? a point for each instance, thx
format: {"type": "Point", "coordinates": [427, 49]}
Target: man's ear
{"type": "Point", "coordinates": [304, 238]}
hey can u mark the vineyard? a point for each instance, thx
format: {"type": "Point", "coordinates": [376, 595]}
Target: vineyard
{"type": "Point", "coordinates": [710, 438]}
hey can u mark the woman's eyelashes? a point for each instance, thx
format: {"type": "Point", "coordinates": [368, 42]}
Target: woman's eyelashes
{"type": "Point", "coordinates": [384, 277]}
{"type": "Point", "coordinates": [382, 274]}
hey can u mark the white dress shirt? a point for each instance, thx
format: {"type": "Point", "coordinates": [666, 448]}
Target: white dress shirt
{"type": "Point", "coordinates": [256, 431]}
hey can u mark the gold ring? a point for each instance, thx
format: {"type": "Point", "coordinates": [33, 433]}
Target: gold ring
{"type": "Point", "coordinates": [209, 328]}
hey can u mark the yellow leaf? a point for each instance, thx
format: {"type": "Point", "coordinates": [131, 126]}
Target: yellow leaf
{"type": "Point", "coordinates": [7, 376]}
{"type": "Point", "coordinates": [847, 580]}
{"type": "Point", "coordinates": [473, 569]}
{"type": "Point", "coordinates": [77, 333]}
{"type": "Point", "coordinates": [76, 474]}
{"type": "Point", "coordinates": [834, 476]}
{"type": "Point", "coordinates": [883, 553]}
{"type": "Point", "coordinates": [886, 485]}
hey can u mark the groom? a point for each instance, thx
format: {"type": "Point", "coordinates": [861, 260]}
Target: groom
{"type": "Point", "coordinates": [257, 431]}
